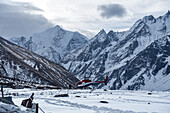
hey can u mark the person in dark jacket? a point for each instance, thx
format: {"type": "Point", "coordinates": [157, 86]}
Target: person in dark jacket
{"type": "Point", "coordinates": [28, 102]}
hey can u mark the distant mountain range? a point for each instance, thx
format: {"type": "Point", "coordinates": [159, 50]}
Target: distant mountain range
{"type": "Point", "coordinates": [53, 43]}
{"type": "Point", "coordinates": [23, 66]}
{"type": "Point", "coordinates": [136, 59]}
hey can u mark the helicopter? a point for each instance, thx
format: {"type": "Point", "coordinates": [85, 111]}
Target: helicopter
{"type": "Point", "coordinates": [86, 82]}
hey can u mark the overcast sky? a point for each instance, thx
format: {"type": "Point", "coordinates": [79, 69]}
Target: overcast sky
{"type": "Point", "coordinates": [18, 18]}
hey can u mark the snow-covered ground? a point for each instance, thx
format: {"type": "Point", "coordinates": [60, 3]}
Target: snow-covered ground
{"type": "Point", "coordinates": [85, 101]}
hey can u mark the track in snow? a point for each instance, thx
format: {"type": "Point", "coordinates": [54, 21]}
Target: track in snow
{"type": "Point", "coordinates": [94, 108]}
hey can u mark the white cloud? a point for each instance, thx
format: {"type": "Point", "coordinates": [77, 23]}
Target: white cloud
{"type": "Point", "coordinates": [81, 15]}
{"type": "Point", "coordinates": [17, 19]}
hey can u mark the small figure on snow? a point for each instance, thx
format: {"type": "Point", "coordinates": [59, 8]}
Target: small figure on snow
{"type": "Point", "coordinates": [28, 102]}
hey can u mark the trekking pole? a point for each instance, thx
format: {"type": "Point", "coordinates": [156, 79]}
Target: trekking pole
{"type": "Point", "coordinates": [41, 109]}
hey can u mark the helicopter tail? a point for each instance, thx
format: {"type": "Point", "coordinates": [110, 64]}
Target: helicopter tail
{"type": "Point", "coordinates": [106, 80]}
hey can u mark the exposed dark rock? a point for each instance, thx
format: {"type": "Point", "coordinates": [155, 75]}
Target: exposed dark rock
{"type": "Point", "coordinates": [104, 102]}
{"type": "Point", "coordinates": [62, 95]}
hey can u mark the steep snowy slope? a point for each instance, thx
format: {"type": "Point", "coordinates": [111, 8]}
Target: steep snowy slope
{"type": "Point", "coordinates": [148, 70]}
{"type": "Point", "coordinates": [53, 43]}
{"type": "Point", "coordinates": [19, 63]}
{"type": "Point", "coordinates": [113, 53]}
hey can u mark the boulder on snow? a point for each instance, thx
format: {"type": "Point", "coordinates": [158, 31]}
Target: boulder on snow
{"type": "Point", "coordinates": [62, 95]}
{"type": "Point", "coordinates": [149, 93]}
{"type": "Point", "coordinates": [103, 101]}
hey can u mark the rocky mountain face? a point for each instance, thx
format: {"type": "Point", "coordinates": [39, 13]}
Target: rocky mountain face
{"type": "Point", "coordinates": [53, 43]}
{"type": "Point", "coordinates": [20, 64]}
{"type": "Point", "coordinates": [135, 59]}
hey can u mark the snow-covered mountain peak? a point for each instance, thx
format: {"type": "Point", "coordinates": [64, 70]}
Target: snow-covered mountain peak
{"type": "Point", "coordinates": [166, 17]}
{"type": "Point", "coordinates": [53, 43]}
{"type": "Point", "coordinates": [101, 36]}
{"type": "Point", "coordinates": [101, 32]}
{"type": "Point", "coordinates": [112, 35]}
{"type": "Point", "coordinates": [150, 25]}
{"type": "Point", "coordinates": [149, 19]}
{"type": "Point", "coordinates": [168, 13]}
{"type": "Point", "coordinates": [57, 27]}
{"type": "Point", "coordinates": [56, 31]}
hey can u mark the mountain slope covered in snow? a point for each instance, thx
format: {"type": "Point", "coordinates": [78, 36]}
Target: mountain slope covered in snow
{"type": "Point", "coordinates": [134, 59]}
{"type": "Point", "coordinates": [19, 63]}
{"type": "Point", "coordinates": [53, 43]}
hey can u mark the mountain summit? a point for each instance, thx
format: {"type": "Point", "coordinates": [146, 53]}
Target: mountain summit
{"type": "Point", "coordinates": [53, 43]}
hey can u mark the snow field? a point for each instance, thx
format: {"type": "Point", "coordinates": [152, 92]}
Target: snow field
{"type": "Point", "coordinates": [85, 101]}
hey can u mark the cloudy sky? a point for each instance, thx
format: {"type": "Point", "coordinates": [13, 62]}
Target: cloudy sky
{"type": "Point", "coordinates": [26, 17]}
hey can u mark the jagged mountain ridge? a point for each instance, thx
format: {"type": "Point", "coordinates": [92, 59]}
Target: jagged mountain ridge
{"type": "Point", "coordinates": [17, 62]}
{"type": "Point", "coordinates": [53, 43]}
{"type": "Point", "coordinates": [112, 54]}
